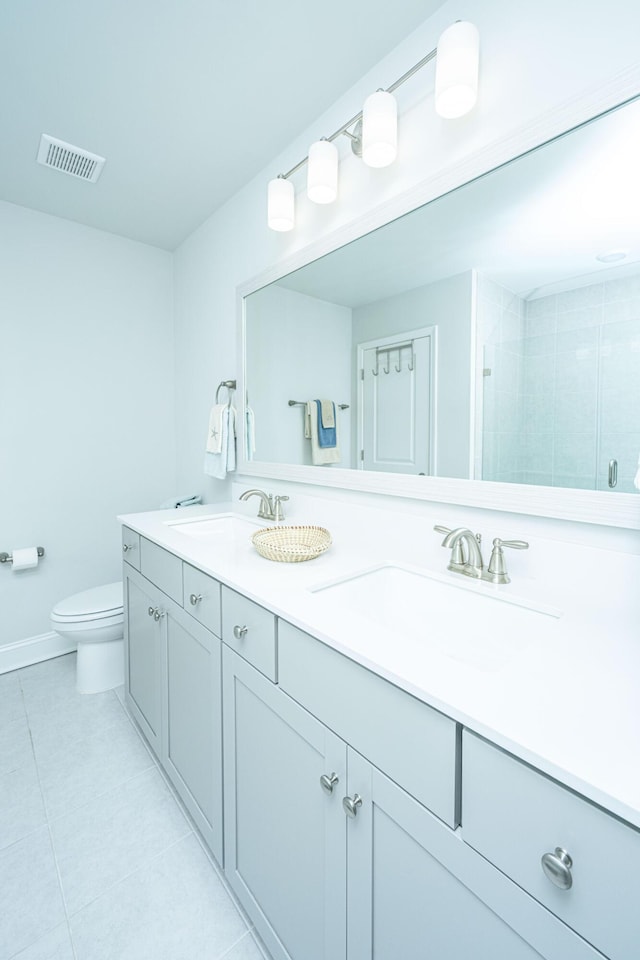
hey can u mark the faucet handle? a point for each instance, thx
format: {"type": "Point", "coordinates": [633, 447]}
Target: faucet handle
{"type": "Point", "coordinates": [440, 529]}
{"type": "Point", "coordinates": [278, 512]}
{"type": "Point", "coordinates": [497, 569]}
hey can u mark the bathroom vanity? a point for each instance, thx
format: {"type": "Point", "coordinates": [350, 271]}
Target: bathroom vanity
{"type": "Point", "coordinates": [357, 783]}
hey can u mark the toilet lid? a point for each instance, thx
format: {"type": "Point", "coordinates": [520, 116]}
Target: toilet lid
{"type": "Point", "coordinates": [104, 601]}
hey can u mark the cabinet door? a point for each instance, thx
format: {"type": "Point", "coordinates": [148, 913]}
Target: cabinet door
{"type": "Point", "coordinates": [416, 891]}
{"type": "Point", "coordinates": [145, 640]}
{"type": "Point", "coordinates": [285, 842]}
{"type": "Point", "coordinates": [193, 755]}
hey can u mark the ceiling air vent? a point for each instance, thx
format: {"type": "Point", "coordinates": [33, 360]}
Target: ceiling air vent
{"type": "Point", "coordinates": [69, 159]}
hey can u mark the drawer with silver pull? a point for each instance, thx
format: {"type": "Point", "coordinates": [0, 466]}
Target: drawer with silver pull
{"type": "Point", "coordinates": [162, 568]}
{"type": "Point", "coordinates": [250, 630]}
{"type": "Point", "coordinates": [131, 547]}
{"type": "Point", "coordinates": [201, 597]}
{"type": "Point", "coordinates": [576, 859]}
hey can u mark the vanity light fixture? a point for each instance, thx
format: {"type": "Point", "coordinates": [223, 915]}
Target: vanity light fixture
{"type": "Point", "coordinates": [380, 129]}
{"type": "Point", "coordinates": [457, 70]}
{"type": "Point", "coordinates": [322, 172]}
{"type": "Point", "coordinates": [281, 204]}
{"type": "Point", "coordinates": [374, 131]}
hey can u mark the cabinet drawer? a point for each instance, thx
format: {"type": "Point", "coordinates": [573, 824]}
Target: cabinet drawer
{"type": "Point", "coordinates": [250, 630]}
{"type": "Point", "coordinates": [201, 597]}
{"type": "Point", "coordinates": [513, 815]}
{"type": "Point", "coordinates": [412, 743]}
{"type": "Point", "coordinates": [162, 568]}
{"type": "Point", "coordinates": [131, 547]}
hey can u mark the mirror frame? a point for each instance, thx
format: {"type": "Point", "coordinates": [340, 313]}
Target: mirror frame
{"type": "Point", "coordinates": [587, 506]}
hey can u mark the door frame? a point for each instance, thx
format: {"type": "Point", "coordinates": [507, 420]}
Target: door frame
{"type": "Point", "coordinates": [432, 333]}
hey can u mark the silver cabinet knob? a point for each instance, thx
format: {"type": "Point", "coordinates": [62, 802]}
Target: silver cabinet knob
{"type": "Point", "coordinates": [195, 599]}
{"type": "Point", "coordinates": [328, 781]}
{"type": "Point", "coordinates": [151, 611]}
{"type": "Point", "coordinates": [127, 546]}
{"type": "Point", "coordinates": [557, 868]}
{"type": "Point", "coordinates": [351, 804]}
{"type": "Point", "coordinates": [158, 614]}
{"type": "Point", "coordinates": [240, 632]}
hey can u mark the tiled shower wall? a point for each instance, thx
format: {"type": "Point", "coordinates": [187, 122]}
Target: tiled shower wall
{"type": "Point", "coordinates": [575, 394]}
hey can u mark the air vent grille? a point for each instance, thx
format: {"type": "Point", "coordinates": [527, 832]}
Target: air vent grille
{"type": "Point", "coordinates": [69, 159]}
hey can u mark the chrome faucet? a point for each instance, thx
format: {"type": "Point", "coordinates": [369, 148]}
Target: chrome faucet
{"type": "Point", "coordinates": [469, 562]}
{"type": "Point", "coordinates": [466, 556]}
{"type": "Point", "coordinates": [270, 507]}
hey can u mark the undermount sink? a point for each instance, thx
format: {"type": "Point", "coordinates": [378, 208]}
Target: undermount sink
{"type": "Point", "coordinates": [469, 621]}
{"type": "Point", "coordinates": [218, 528]}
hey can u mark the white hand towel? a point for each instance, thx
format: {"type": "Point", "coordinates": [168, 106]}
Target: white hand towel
{"type": "Point", "coordinates": [219, 464]}
{"type": "Point", "coordinates": [214, 437]}
{"type": "Point", "coordinates": [250, 433]}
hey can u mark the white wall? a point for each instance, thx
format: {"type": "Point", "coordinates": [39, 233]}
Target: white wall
{"type": "Point", "coordinates": [87, 409]}
{"type": "Point", "coordinates": [536, 57]}
{"type": "Point", "coordinates": [446, 305]}
{"type": "Point", "coordinates": [298, 348]}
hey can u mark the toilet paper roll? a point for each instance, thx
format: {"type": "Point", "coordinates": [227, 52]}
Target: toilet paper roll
{"type": "Point", "coordinates": [24, 558]}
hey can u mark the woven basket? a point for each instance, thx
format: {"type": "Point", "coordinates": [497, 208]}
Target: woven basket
{"type": "Point", "coordinates": [291, 544]}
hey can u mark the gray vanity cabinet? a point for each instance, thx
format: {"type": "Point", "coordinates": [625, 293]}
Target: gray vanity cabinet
{"type": "Point", "coordinates": [145, 668]}
{"type": "Point", "coordinates": [285, 845]}
{"type": "Point", "coordinates": [173, 689]}
{"type": "Point", "coordinates": [193, 748]}
{"type": "Point", "coordinates": [416, 890]}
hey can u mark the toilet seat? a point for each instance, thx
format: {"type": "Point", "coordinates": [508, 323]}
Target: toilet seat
{"type": "Point", "coordinates": [103, 603]}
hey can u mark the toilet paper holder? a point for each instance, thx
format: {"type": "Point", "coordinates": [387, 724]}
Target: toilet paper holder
{"type": "Point", "coordinates": [7, 558]}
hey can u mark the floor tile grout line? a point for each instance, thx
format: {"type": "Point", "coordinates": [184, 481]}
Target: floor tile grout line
{"type": "Point", "coordinates": [54, 855]}
{"type": "Point", "coordinates": [132, 873]}
{"type": "Point", "coordinates": [73, 743]}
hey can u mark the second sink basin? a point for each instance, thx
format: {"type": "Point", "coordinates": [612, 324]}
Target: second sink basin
{"type": "Point", "coordinates": [468, 621]}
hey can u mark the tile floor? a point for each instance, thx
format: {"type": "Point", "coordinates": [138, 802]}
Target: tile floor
{"type": "Point", "coordinates": [97, 859]}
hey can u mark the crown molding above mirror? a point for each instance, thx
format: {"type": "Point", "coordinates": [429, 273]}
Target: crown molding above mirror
{"type": "Point", "coordinates": [620, 509]}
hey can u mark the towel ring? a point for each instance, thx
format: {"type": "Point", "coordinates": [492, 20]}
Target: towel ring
{"type": "Point", "coordinates": [230, 386]}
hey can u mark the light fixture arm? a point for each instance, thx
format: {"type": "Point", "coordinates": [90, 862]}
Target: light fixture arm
{"type": "Point", "coordinates": [356, 136]}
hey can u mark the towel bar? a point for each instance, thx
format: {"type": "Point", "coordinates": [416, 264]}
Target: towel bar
{"type": "Point", "coordinates": [302, 403]}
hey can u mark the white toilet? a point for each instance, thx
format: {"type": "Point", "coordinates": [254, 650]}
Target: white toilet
{"type": "Point", "coordinates": [94, 618]}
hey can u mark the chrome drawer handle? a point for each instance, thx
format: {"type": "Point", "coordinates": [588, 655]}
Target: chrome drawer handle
{"type": "Point", "coordinates": [240, 632]}
{"type": "Point", "coordinates": [328, 781]}
{"type": "Point", "coordinates": [128, 546]}
{"type": "Point", "coordinates": [351, 804]}
{"type": "Point", "coordinates": [151, 611]}
{"type": "Point", "coordinates": [557, 868]}
{"type": "Point", "coordinates": [195, 599]}
{"type": "Point", "coordinates": [158, 614]}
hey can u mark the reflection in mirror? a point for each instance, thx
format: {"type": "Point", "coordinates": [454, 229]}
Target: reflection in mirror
{"type": "Point", "coordinates": [492, 334]}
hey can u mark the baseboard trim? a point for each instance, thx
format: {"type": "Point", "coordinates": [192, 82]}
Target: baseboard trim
{"type": "Point", "coordinates": [23, 653]}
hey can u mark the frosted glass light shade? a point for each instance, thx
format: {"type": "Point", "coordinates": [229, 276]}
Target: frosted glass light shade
{"type": "Point", "coordinates": [281, 205]}
{"type": "Point", "coordinates": [457, 70]}
{"type": "Point", "coordinates": [322, 172]}
{"type": "Point", "coordinates": [380, 129]}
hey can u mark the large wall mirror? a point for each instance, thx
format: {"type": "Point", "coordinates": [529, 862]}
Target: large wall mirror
{"type": "Point", "coordinates": [490, 335]}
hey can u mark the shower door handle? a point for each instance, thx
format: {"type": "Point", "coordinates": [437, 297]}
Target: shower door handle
{"type": "Point", "coordinates": [613, 473]}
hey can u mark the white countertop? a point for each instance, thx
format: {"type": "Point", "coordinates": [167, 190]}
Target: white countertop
{"type": "Point", "coordinates": [563, 694]}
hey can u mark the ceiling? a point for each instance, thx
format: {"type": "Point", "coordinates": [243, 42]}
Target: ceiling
{"type": "Point", "coordinates": [187, 99]}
